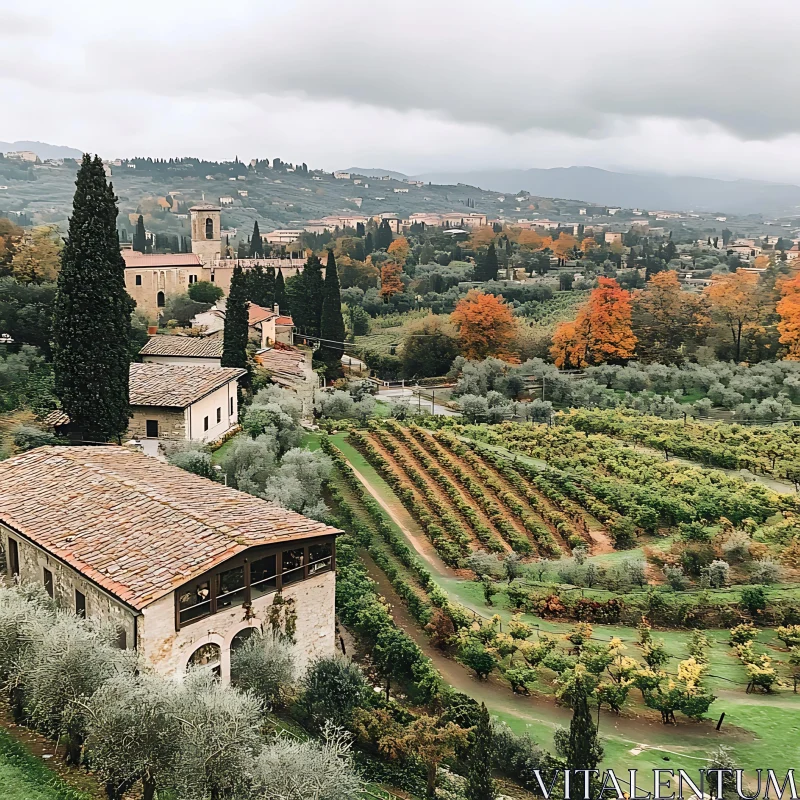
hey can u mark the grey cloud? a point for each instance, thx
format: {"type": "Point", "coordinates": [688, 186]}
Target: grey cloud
{"type": "Point", "coordinates": [575, 67]}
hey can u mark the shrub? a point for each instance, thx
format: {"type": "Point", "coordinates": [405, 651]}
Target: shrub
{"type": "Point", "coordinates": [719, 573]}
{"type": "Point", "coordinates": [675, 577]}
{"type": "Point", "coordinates": [765, 571]}
{"type": "Point", "coordinates": [623, 533]}
{"type": "Point", "coordinates": [753, 599]}
{"type": "Point", "coordinates": [744, 633]}
{"type": "Point", "coordinates": [204, 292]}
{"type": "Point", "coordinates": [478, 658]}
{"type": "Point", "coordinates": [737, 546]}
{"type": "Point", "coordinates": [333, 688]}
{"type": "Point", "coordinates": [26, 437]}
{"type": "Point", "coordinates": [263, 665]}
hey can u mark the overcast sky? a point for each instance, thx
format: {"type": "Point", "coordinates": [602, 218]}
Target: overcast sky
{"type": "Point", "coordinates": [703, 87]}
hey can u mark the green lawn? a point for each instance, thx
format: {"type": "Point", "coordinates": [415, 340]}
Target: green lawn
{"type": "Point", "coordinates": [25, 777]}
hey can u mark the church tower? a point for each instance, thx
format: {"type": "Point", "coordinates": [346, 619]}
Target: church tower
{"type": "Point", "coordinates": [206, 235]}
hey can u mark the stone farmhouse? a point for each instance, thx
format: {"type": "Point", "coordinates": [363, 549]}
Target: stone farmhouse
{"type": "Point", "coordinates": [185, 569]}
{"type": "Point", "coordinates": [183, 401]}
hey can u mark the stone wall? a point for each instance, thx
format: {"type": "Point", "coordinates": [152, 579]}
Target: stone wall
{"type": "Point", "coordinates": [99, 605]}
{"type": "Point", "coordinates": [168, 651]}
{"type": "Point", "coordinates": [171, 422]}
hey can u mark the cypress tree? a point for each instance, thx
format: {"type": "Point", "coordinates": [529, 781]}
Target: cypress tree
{"type": "Point", "coordinates": [234, 345]}
{"type": "Point", "coordinates": [256, 245]}
{"type": "Point", "coordinates": [331, 325]}
{"type": "Point", "coordinates": [384, 236]}
{"type": "Point", "coordinates": [139, 236]}
{"type": "Point", "coordinates": [280, 292]}
{"type": "Point", "coordinates": [584, 750]}
{"type": "Point", "coordinates": [92, 313]}
{"type": "Point", "coordinates": [487, 270]}
{"type": "Point", "coordinates": [261, 285]}
{"type": "Point", "coordinates": [369, 247]}
{"type": "Point", "coordinates": [480, 785]}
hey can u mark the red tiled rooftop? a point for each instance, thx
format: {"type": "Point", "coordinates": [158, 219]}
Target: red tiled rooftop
{"type": "Point", "coordinates": [133, 525]}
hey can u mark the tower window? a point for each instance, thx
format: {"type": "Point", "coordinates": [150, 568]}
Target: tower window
{"type": "Point", "coordinates": [209, 228]}
{"type": "Point", "coordinates": [138, 280]}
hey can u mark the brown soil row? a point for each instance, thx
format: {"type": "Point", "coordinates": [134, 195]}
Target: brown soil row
{"type": "Point", "coordinates": [511, 517]}
{"type": "Point", "coordinates": [398, 469]}
{"type": "Point", "coordinates": [446, 501]}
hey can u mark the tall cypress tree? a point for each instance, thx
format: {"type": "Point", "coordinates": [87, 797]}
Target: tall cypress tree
{"type": "Point", "coordinates": [139, 236]}
{"type": "Point", "coordinates": [280, 292]}
{"type": "Point", "coordinates": [234, 344]}
{"type": "Point", "coordinates": [256, 244]}
{"type": "Point", "coordinates": [92, 313]}
{"type": "Point", "coordinates": [487, 269]}
{"type": "Point", "coordinates": [384, 236]}
{"type": "Point", "coordinates": [480, 785]}
{"type": "Point", "coordinates": [369, 247]}
{"type": "Point", "coordinates": [261, 285]}
{"type": "Point", "coordinates": [331, 325]}
{"type": "Point", "coordinates": [584, 750]}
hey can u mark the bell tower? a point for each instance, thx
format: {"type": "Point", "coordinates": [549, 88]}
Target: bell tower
{"type": "Point", "coordinates": [206, 236]}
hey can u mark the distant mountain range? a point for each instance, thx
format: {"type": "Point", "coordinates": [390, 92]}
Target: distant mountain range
{"type": "Point", "coordinates": [628, 190]}
{"type": "Point", "coordinates": [42, 149]}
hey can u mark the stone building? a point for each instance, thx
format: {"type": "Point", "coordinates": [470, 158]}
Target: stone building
{"type": "Point", "coordinates": [183, 401]}
{"type": "Point", "coordinates": [150, 279]}
{"type": "Point", "coordinates": [184, 568]}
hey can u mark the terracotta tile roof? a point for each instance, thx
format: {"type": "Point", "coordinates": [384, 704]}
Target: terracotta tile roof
{"type": "Point", "coordinates": [135, 526]}
{"type": "Point", "coordinates": [155, 260]}
{"type": "Point", "coordinates": [284, 320]}
{"type": "Point", "coordinates": [176, 385]}
{"type": "Point", "coordinates": [288, 363]}
{"type": "Point", "coordinates": [185, 346]}
{"type": "Point", "coordinates": [256, 314]}
{"type": "Point", "coordinates": [56, 418]}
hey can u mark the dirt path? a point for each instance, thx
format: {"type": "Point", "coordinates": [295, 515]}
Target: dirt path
{"type": "Point", "coordinates": [52, 756]}
{"type": "Point", "coordinates": [414, 535]}
{"type": "Point", "coordinates": [535, 709]}
{"type": "Point", "coordinates": [440, 493]}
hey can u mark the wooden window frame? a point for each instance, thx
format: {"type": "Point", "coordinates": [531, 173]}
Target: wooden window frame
{"type": "Point", "coordinates": [245, 559]}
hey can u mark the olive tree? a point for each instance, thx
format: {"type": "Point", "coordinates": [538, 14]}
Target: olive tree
{"type": "Point", "coordinates": [67, 661]}
{"type": "Point", "coordinates": [132, 734]}
{"type": "Point", "coordinates": [218, 738]}
{"type": "Point", "coordinates": [265, 666]}
{"type": "Point", "coordinates": [294, 770]}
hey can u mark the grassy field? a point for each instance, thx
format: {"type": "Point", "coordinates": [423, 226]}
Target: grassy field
{"type": "Point", "coordinates": [760, 729]}
{"type": "Point", "coordinates": [25, 777]}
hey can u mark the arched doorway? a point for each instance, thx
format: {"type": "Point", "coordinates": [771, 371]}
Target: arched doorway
{"type": "Point", "coordinates": [160, 300]}
{"type": "Point", "coordinates": [242, 636]}
{"type": "Point", "coordinates": [209, 228]}
{"type": "Point", "coordinates": [207, 656]}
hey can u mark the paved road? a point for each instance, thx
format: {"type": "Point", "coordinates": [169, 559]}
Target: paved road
{"type": "Point", "coordinates": [423, 403]}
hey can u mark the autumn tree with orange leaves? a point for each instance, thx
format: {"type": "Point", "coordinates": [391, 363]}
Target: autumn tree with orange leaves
{"type": "Point", "coordinates": [741, 305]}
{"type": "Point", "coordinates": [789, 310]}
{"type": "Point", "coordinates": [565, 245]}
{"type": "Point", "coordinates": [667, 321]}
{"type": "Point", "coordinates": [486, 326]}
{"type": "Point", "coordinates": [602, 331]}
{"type": "Point", "coordinates": [399, 249]}
{"type": "Point", "coordinates": [390, 280]}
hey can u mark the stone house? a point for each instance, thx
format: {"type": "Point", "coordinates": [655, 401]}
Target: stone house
{"type": "Point", "coordinates": [292, 368]}
{"type": "Point", "coordinates": [184, 568]}
{"type": "Point", "coordinates": [192, 350]}
{"type": "Point", "coordinates": [180, 401]}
